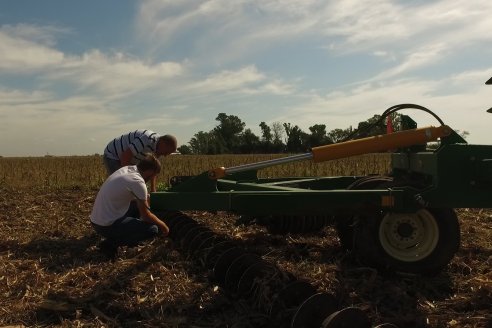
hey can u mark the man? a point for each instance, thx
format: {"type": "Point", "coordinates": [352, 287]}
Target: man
{"type": "Point", "coordinates": [130, 148]}
{"type": "Point", "coordinates": [121, 211]}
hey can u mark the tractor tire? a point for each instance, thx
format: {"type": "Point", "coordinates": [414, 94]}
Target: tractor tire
{"type": "Point", "coordinates": [423, 242]}
{"type": "Point", "coordinates": [344, 224]}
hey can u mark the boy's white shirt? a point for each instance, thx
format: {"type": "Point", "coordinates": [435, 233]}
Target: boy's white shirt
{"type": "Point", "coordinates": [116, 193]}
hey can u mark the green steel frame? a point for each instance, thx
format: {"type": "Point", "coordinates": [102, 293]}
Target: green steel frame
{"type": "Point", "coordinates": [455, 175]}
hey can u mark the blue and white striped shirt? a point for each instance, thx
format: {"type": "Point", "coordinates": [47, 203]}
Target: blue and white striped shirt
{"type": "Point", "coordinates": [139, 141]}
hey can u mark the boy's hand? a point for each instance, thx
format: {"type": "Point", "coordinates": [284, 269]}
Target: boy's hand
{"type": "Point", "coordinates": [164, 229]}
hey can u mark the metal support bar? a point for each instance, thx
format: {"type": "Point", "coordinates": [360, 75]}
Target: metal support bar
{"type": "Point", "coordinates": [221, 172]}
{"type": "Point", "coordinates": [263, 164]}
{"type": "Point", "coordinates": [281, 202]}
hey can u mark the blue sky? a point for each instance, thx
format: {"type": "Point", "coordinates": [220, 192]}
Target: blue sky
{"type": "Point", "coordinates": [75, 74]}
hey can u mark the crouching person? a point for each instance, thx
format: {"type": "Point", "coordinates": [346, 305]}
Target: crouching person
{"type": "Point", "coordinates": [121, 212]}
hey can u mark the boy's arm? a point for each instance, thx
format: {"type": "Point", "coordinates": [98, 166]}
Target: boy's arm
{"type": "Point", "coordinates": [153, 184]}
{"type": "Point", "coordinates": [148, 216]}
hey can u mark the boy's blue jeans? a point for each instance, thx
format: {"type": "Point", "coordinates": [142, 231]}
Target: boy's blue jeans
{"type": "Point", "coordinates": [128, 230]}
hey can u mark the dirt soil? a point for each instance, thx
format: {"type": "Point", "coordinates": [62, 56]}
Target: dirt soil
{"type": "Point", "coordinates": [52, 274]}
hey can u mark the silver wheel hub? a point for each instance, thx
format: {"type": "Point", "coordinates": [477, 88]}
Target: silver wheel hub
{"type": "Point", "coordinates": [409, 237]}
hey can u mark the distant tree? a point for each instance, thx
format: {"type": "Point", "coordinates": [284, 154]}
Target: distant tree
{"type": "Point", "coordinates": [371, 127]}
{"type": "Point", "coordinates": [338, 135]}
{"type": "Point", "coordinates": [229, 136]}
{"type": "Point", "coordinates": [266, 132]}
{"type": "Point", "coordinates": [185, 150]}
{"type": "Point", "coordinates": [296, 139]}
{"type": "Point", "coordinates": [266, 144]}
{"type": "Point", "coordinates": [249, 142]}
{"type": "Point", "coordinates": [228, 131]}
{"type": "Point", "coordinates": [278, 145]}
{"type": "Point", "coordinates": [203, 143]}
{"type": "Point", "coordinates": [318, 136]}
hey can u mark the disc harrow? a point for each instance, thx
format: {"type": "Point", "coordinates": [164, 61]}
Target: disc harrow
{"type": "Point", "coordinates": [402, 221]}
{"type": "Point", "coordinates": [289, 302]}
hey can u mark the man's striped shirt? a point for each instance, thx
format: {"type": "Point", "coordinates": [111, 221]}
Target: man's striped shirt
{"type": "Point", "coordinates": [139, 141]}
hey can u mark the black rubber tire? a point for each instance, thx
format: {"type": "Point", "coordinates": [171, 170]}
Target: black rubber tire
{"type": "Point", "coordinates": [370, 240]}
{"type": "Point", "coordinates": [344, 224]}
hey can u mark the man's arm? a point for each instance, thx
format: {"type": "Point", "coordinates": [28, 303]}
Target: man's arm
{"type": "Point", "coordinates": [148, 216]}
{"type": "Point", "coordinates": [126, 157]}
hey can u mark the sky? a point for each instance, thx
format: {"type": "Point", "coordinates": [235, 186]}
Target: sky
{"type": "Point", "coordinates": [76, 74]}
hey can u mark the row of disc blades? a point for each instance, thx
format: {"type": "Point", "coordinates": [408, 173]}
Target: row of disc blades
{"type": "Point", "coordinates": [289, 302]}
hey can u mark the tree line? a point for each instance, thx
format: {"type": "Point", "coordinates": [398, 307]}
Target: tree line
{"type": "Point", "coordinates": [230, 136]}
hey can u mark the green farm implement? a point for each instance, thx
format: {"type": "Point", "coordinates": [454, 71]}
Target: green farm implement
{"type": "Point", "coordinates": [402, 221]}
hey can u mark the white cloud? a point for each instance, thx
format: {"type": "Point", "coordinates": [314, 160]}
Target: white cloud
{"type": "Point", "coordinates": [278, 87]}
{"type": "Point", "coordinates": [229, 80]}
{"type": "Point", "coordinates": [115, 74]}
{"type": "Point", "coordinates": [364, 22]}
{"type": "Point", "coordinates": [72, 126]}
{"type": "Point", "coordinates": [227, 31]}
{"type": "Point", "coordinates": [417, 59]}
{"type": "Point", "coordinates": [11, 97]}
{"type": "Point", "coordinates": [347, 107]}
{"type": "Point", "coordinates": [248, 58]}
{"type": "Point", "coordinates": [20, 55]}
{"type": "Point", "coordinates": [58, 127]}
{"type": "Point", "coordinates": [110, 74]}
{"type": "Point", "coordinates": [383, 22]}
{"type": "Point", "coordinates": [45, 35]}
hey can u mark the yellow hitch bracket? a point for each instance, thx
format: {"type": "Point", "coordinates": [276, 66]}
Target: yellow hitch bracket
{"type": "Point", "coordinates": [217, 173]}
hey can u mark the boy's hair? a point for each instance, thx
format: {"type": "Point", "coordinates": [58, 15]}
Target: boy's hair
{"type": "Point", "coordinates": [149, 162]}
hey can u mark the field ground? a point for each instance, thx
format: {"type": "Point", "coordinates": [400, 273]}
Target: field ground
{"type": "Point", "coordinates": [51, 273]}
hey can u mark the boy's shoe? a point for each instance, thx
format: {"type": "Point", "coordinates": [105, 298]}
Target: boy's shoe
{"type": "Point", "coordinates": [108, 249]}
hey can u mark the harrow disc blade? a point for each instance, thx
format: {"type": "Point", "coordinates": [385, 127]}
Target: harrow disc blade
{"type": "Point", "coordinates": [193, 246]}
{"type": "Point", "coordinates": [349, 317]}
{"type": "Point", "coordinates": [237, 268]}
{"type": "Point", "coordinates": [291, 297]}
{"type": "Point", "coordinates": [182, 230]}
{"type": "Point", "coordinates": [224, 261]}
{"type": "Point", "coordinates": [314, 310]}
{"type": "Point", "coordinates": [254, 274]}
{"type": "Point", "coordinates": [216, 251]}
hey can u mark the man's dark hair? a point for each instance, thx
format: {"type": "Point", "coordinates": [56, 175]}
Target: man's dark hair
{"type": "Point", "coordinates": [149, 162]}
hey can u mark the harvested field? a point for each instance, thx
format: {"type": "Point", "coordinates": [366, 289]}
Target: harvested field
{"type": "Point", "coordinates": [51, 273]}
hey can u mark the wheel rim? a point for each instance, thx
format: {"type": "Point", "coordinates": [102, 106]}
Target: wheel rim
{"type": "Point", "coordinates": [409, 237]}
